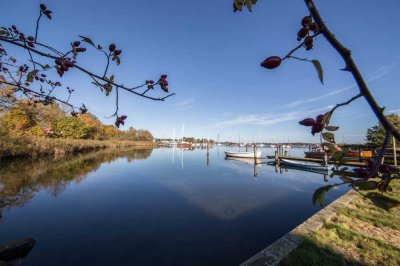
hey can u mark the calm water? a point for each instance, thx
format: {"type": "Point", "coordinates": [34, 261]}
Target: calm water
{"type": "Point", "coordinates": [152, 207]}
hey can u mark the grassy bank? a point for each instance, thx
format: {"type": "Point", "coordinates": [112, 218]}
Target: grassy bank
{"type": "Point", "coordinates": [366, 232]}
{"type": "Point", "coordinates": [33, 147]}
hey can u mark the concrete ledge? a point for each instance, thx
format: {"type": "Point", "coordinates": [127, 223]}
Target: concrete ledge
{"type": "Point", "coordinates": [275, 252]}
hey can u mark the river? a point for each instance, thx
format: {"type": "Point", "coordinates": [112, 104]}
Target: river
{"type": "Point", "coordinates": [152, 207]}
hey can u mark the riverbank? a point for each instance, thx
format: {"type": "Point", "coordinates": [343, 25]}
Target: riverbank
{"type": "Point", "coordinates": [361, 228]}
{"type": "Point", "coordinates": [34, 147]}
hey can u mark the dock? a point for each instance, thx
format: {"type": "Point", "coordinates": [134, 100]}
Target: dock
{"type": "Point", "coordinates": [316, 160]}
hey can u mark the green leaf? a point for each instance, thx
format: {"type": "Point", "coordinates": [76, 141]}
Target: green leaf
{"type": "Point", "coordinates": [31, 75]}
{"type": "Point", "coordinates": [329, 147]}
{"type": "Point", "coordinates": [249, 6]}
{"type": "Point", "coordinates": [328, 136]}
{"type": "Point", "coordinates": [319, 69]}
{"type": "Point", "coordinates": [331, 128]}
{"type": "Point", "coordinates": [116, 59]}
{"type": "Point", "coordinates": [346, 179]}
{"type": "Point", "coordinates": [238, 4]}
{"type": "Point", "coordinates": [337, 156]}
{"type": "Point", "coordinates": [319, 194]}
{"type": "Point", "coordinates": [3, 32]}
{"type": "Point", "coordinates": [366, 185]}
{"type": "Point", "coordinates": [327, 118]}
{"type": "Point", "coordinates": [86, 39]}
{"type": "Point", "coordinates": [96, 84]}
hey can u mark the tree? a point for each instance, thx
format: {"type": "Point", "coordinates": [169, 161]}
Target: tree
{"type": "Point", "coordinates": [71, 127]}
{"type": "Point", "coordinates": [313, 25]}
{"type": "Point", "coordinates": [376, 135]}
{"type": "Point", "coordinates": [30, 77]}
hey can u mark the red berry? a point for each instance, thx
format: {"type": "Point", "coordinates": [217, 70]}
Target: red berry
{"type": "Point", "coordinates": [308, 122]}
{"type": "Point", "coordinates": [117, 52]}
{"type": "Point", "coordinates": [123, 117]}
{"type": "Point", "coordinates": [316, 128]}
{"type": "Point", "coordinates": [30, 38]}
{"type": "Point", "coordinates": [303, 32]}
{"type": "Point", "coordinates": [42, 7]}
{"type": "Point", "coordinates": [306, 21]}
{"type": "Point", "coordinates": [164, 76]}
{"type": "Point", "coordinates": [308, 41]}
{"type": "Point", "coordinates": [76, 43]}
{"type": "Point", "coordinates": [319, 118]}
{"type": "Point", "coordinates": [314, 27]}
{"type": "Point", "coordinates": [112, 47]}
{"type": "Point", "coordinates": [30, 44]}
{"type": "Point", "coordinates": [271, 62]}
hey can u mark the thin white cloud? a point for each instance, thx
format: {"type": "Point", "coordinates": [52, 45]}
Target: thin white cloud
{"type": "Point", "coordinates": [310, 100]}
{"type": "Point", "coordinates": [184, 105]}
{"type": "Point", "coordinates": [269, 118]}
{"type": "Point", "coordinates": [379, 73]}
{"type": "Point", "coordinates": [394, 111]}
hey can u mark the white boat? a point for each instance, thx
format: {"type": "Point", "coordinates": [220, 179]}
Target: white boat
{"type": "Point", "coordinates": [244, 160]}
{"type": "Point", "coordinates": [306, 165]}
{"type": "Point", "coordinates": [243, 154]}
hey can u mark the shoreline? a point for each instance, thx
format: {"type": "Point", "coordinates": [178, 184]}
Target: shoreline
{"type": "Point", "coordinates": [274, 253]}
{"type": "Point", "coordinates": [37, 147]}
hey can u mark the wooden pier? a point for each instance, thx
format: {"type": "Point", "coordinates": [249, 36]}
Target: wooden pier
{"type": "Point", "coordinates": [347, 163]}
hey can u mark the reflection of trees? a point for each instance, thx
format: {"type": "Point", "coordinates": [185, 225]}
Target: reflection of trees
{"type": "Point", "coordinates": [20, 179]}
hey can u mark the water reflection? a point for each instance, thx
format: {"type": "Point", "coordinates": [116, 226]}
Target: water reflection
{"type": "Point", "coordinates": [21, 178]}
{"type": "Point", "coordinates": [177, 207]}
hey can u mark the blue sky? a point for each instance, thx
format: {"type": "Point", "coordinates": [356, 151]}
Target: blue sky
{"type": "Point", "coordinates": [212, 57]}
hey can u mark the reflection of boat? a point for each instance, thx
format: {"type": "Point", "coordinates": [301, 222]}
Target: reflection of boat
{"type": "Point", "coordinates": [312, 170]}
{"type": "Point", "coordinates": [243, 154]}
{"type": "Point", "coordinates": [244, 160]}
{"type": "Point", "coordinates": [306, 165]}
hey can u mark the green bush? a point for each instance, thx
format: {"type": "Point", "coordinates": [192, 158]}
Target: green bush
{"type": "Point", "coordinates": [71, 127]}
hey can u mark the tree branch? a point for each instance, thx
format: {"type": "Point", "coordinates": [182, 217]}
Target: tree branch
{"type": "Point", "coordinates": [87, 71]}
{"type": "Point", "coordinates": [353, 69]}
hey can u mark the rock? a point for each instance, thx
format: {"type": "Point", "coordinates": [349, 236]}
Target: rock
{"type": "Point", "coordinates": [16, 249]}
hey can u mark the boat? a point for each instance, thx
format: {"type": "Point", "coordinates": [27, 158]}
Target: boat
{"type": "Point", "coordinates": [362, 154]}
{"type": "Point", "coordinates": [244, 160]}
{"type": "Point", "coordinates": [243, 154]}
{"type": "Point", "coordinates": [314, 154]}
{"type": "Point", "coordinates": [183, 144]}
{"type": "Point", "coordinates": [306, 165]}
{"type": "Point", "coordinates": [311, 170]}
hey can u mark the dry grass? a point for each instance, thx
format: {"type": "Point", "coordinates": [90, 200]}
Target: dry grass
{"type": "Point", "coordinates": [33, 147]}
{"type": "Point", "coordinates": [366, 232]}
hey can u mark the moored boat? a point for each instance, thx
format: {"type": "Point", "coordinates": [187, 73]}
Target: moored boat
{"type": "Point", "coordinates": [314, 154]}
{"type": "Point", "coordinates": [243, 154]}
{"type": "Point", "coordinates": [306, 165]}
{"type": "Point", "coordinates": [183, 144]}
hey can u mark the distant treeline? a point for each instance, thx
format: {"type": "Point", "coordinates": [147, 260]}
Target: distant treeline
{"type": "Point", "coordinates": [28, 126]}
